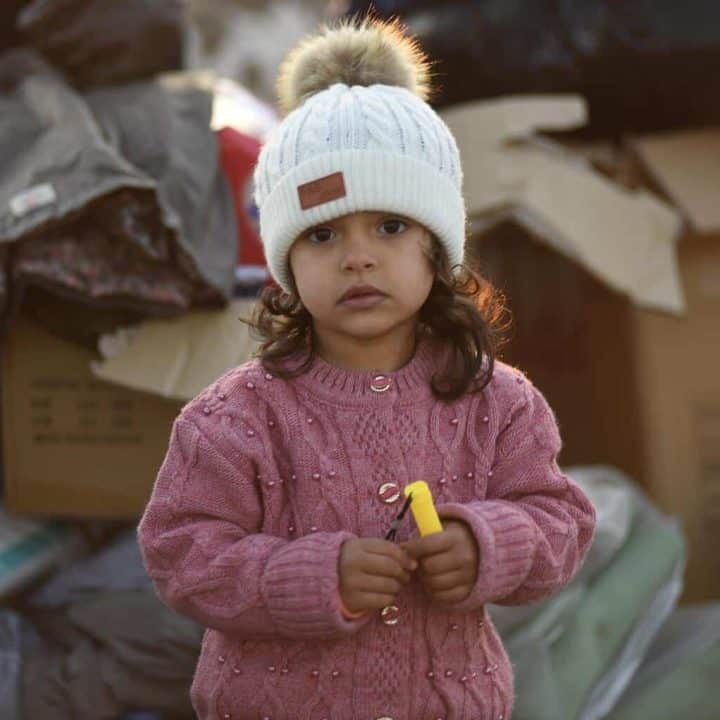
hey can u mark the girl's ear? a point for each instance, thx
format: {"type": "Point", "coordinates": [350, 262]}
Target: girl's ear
{"type": "Point", "coordinates": [433, 249]}
{"type": "Point", "coordinates": [294, 295]}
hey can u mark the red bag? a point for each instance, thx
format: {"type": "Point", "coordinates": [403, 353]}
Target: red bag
{"type": "Point", "coordinates": [238, 156]}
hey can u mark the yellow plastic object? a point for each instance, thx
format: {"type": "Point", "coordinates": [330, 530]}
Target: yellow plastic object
{"type": "Point", "coordinates": [423, 508]}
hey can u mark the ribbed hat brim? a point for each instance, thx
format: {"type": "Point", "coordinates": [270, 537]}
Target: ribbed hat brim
{"type": "Point", "coordinates": [383, 182]}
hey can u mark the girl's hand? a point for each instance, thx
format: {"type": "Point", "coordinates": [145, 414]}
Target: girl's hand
{"type": "Point", "coordinates": [372, 572]}
{"type": "Point", "coordinates": [448, 561]}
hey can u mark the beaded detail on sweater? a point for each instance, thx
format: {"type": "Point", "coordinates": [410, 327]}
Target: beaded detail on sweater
{"type": "Point", "coordinates": [265, 479]}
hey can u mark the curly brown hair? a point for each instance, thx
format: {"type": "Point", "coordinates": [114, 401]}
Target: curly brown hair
{"type": "Point", "coordinates": [463, 310]}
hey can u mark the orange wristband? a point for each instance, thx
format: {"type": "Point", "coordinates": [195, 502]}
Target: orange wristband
{"type": "Point", "coordinates": [347, 614]}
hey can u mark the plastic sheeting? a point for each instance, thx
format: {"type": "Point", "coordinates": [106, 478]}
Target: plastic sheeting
{"type": "Point", "coordinates": [642, 64]}
{"type": "Point", "coordinates": [100, 42]}
{"type": "Point", "coordinates": [679, 676]}
{"type": "Point", "coordinates": [10, 664]}
{"type": "Point", "coordinates": [575, 653]}
{"type": "Point", "coordinates": [117, 567]}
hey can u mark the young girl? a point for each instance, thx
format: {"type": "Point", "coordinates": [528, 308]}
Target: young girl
{"type": "Point", "coordinates": [268, 516]}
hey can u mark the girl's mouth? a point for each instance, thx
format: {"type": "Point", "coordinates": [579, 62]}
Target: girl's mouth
{"type": "Point", "coordinates": [363, 301]}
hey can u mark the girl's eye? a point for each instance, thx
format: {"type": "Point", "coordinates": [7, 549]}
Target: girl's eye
{"type": "Point", "coordinates": [392, 226]}
{"type": "Point", "coordinates": [320, 235]}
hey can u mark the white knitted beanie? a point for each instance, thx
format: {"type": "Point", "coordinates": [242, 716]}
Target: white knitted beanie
{"type": "Point", "coordinates": [359, 136]}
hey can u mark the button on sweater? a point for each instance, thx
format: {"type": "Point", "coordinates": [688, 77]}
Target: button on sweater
{"type": "Point", "coordinates": [266, 478]}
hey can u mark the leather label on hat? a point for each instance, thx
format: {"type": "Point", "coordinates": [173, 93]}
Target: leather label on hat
{"type": "Point", "coordinates": [323, 190]}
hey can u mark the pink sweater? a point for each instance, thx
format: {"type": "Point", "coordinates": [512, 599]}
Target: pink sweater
{"type": "Point", "coordinates": [265, 479]}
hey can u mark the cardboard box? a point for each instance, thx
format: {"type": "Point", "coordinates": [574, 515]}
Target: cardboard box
{"type": "Point", "coordinates": [626, 238]}
{"type": "Point", "coordinates": [178, 357]}
{"type": "Point", "coordinates": [678, 359]}
{"type": "Point", "coordinates": [75, 446]}
{"type": "Point", "coordinates": [678, 397]}
{"type": "Point", "coordinates": [629, 358]}
{"type": "Point", "coordinates": [573, 336]}
{"type": "Point", "coordinates": [631, 387]}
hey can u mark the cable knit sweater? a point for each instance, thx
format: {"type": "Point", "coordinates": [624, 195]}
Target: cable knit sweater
{"type": "Point", "coordinates": [264, 480]}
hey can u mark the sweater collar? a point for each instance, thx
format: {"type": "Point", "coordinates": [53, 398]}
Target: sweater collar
{"type": "Point", "coordinates": [409, 383]}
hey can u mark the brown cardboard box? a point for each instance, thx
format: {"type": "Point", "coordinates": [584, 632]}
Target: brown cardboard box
{"type": "Point", "coordinates": [679, 358]}
{"type": "Point", "coordinates": [678, 393]}
{"type": "Point", "coordinates": [171, 357]}
{"type": "Point", "coordinates": [633, 386]}
{"type": "Point", "coordinates": [624, 237]}
{"type": "Point", "coordinates": [572, 335]}
{"type": "Point", "coordinates": [612, 272]}
{"type": "Point", "coordinates": [73, 445]}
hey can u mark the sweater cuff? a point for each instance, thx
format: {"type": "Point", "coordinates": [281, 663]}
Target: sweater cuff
{"type": "Point", "coordinates": [505, 536]}
{"type": "Point", "coordinates": [301, 587]}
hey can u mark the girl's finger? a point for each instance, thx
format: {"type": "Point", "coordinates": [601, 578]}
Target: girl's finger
{"type": "Point", "coordinates": [385, 548]}
{"type": "Point", "coordinates": [422, 547]}
{"type": "Point", "coordinates": [383, 566]}
{"type": "Point", "coordinates": [378, 584]}
{"type": "Point", "coordinates": [375, 601]}
{"type": "Point", "coordinates": [457, 594]}
{"type": "Point", "coordinates": [446, 581]}
{"type": "Point", "coordinates": [442, 563]}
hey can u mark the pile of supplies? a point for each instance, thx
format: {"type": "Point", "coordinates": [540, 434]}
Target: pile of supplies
{"type": "Point", "coordinates": [130, 250]}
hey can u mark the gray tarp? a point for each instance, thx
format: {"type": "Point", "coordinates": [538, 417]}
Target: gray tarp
{"type": "Point", "coordinates": [133, 170]}
{"type": "Point", "coordinates": [108, 645]}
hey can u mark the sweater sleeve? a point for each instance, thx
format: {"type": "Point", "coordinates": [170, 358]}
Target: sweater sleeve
{"type": "Point", "coordinates": [202, 546]}
{"type": "Point", "coordinates": [535, 525]}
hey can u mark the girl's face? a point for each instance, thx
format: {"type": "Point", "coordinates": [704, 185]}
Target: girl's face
{"type": "Point", "coordinates": [363, 276]}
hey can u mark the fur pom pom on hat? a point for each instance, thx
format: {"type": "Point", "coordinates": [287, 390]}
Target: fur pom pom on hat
{"type": "Point", "coordinates": [359, 135]}
{"type": "Point", "coordinates": [371, 53]}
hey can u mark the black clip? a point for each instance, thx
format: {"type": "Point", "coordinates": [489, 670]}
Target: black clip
{"type": "Point", "coordinates": [392, 532]}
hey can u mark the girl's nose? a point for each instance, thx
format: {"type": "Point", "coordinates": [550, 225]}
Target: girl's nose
{"type": "Point", "coordinates": [353, 263]}
{"type": "Point", "coordinates": [357, 256]}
